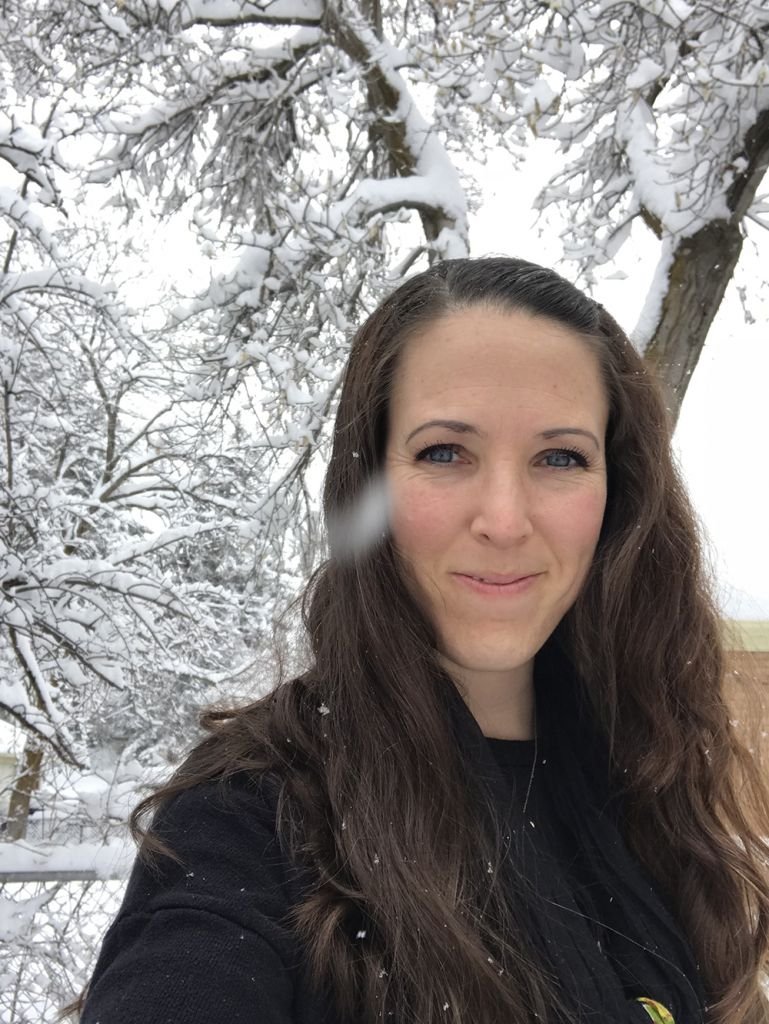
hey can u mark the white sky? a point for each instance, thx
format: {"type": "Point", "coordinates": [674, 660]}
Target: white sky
{"type": "Point", "coordinates": [720, 435]}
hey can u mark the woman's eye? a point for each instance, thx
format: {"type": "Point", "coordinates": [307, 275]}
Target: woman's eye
{"type": "Point", "coordinates": [448, 454]}
{"type": "Point", "coordinates": [564, 455]}
{"type": "Point", "coordinates": [438, 453]}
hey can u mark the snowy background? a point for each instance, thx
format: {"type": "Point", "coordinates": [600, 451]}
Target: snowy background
{"type": "Point", "coordinates": [199, 201]}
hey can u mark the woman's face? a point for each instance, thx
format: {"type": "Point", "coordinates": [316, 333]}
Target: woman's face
{"type": "Point", "coordinates": [496, 471]}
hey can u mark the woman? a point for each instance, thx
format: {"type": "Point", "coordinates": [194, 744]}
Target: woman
{"type": "Point", "coordinates": [506, 787]}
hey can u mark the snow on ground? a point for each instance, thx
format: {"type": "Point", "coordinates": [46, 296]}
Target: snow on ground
{"type": "Point", "coordinates": [110, 859]}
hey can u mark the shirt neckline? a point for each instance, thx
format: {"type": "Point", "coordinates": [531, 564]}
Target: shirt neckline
{"type": "Point", "coordinates": [512, 753]}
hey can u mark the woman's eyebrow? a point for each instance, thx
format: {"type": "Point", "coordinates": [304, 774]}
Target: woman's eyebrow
{"type": "Point", "coordinates": [557, 431]}
{"type": "Point", "coordinates": [457, 426]}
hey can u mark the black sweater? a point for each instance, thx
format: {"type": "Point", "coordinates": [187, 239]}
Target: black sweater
{"type": "Point", "coordinates": [204, 943]}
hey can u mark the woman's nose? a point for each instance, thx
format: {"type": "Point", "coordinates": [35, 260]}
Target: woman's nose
{"type": "Point", "coordinates": [502, 508]}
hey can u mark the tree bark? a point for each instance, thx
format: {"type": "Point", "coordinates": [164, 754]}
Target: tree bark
{"type": "Point", "coordinates": [702, 267]}
{"type": "Point", "coordinates": [23, 790]}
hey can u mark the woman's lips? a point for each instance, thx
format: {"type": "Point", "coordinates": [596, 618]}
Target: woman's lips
{"type": "Point", "coordinates": [495, 584]}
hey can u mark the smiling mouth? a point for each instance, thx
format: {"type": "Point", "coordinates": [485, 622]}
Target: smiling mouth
{"type": "Point", "coordinates": [495, 586]}
{"type": "Point", "coordinates": [496, 579]}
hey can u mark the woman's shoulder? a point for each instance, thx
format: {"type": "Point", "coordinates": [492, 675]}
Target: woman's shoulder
{"type": "Point", "coordinates": [244, 800]}
{"type": "Point", "coordinates": [220, 858]}
{"type": "Point", "coordinates": [203, 932]}
{"type": "Point", "coordinates": [225, 827]}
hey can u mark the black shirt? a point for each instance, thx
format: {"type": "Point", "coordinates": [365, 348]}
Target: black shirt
{"type": "Point", "coordinates": [532, 810]}
{"type": "Point", "coordinates": [205, 941]}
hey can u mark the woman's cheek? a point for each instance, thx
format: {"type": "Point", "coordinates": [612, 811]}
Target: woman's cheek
{"type": "Point", "coordinates": [420, 517]}
{"type": "Point", "coordinates": [582, 523]}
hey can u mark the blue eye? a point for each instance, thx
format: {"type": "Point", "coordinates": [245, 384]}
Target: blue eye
{"type": "Point", "coordinates": [442, 454]}
{"type": "Point", "coordinates": [438, 454]}
{"type": "Point", "coordinates": [568, 453]}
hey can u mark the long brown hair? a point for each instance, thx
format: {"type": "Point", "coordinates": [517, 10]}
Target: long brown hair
{"type": "Point", "coordinates": [373, 793]}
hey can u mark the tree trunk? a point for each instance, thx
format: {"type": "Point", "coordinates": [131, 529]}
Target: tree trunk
{"type": "Point", "coordinates": [23, 790]}
{"type": "Point", "coordinates": [702, 267]}
{"type": "Point", "coordinates": [701, 270]}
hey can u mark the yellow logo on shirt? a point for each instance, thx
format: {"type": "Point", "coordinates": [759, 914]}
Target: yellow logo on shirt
{"type": "Point", "coordinates": [658, 1013]}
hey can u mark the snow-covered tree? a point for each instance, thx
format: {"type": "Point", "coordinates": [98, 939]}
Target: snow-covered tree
{"type": "Point", "coordinates": [299, 132]}
{"type": "Point", "coordinates": [299, 148]}
{"type": "Point", "coordinates": [661, 108]}
{"type": "Point", "coordinates": [113, 465]}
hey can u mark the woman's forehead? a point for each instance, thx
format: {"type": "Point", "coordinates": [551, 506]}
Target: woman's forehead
{"type": "Point", "coordinates": [488, 359]}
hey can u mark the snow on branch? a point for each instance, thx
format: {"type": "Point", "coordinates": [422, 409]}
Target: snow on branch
{"type": "Point", "coordinates": [428, 179]}
{"type": "Point", "coordinates": [658, 119]}
{"type": "Point", "coordinates": [30, 155]}
{"type": "Point", "coordinates": [229, 12]}
{"type": "Point", "coordinates": [20, 213]}
{"type": "Point", "coordinates": [48, 279]}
